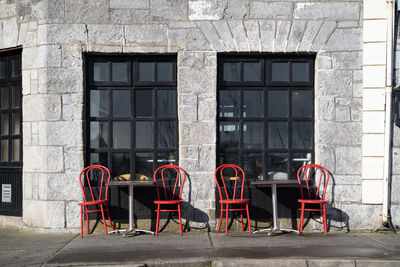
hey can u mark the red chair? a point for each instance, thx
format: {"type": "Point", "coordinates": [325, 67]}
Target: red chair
{"type": "Point", "coordinates": [231, 196]}
{"type": "Point", "coordinates": [95, 193]}
{"type": "Point", "coordinates": [320, 175]}
{"type": "Point", "coordinates": [168, 197]}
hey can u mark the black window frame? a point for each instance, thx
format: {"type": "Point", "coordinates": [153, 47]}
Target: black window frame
{"type": "Point", "coordinates": [265, 85]}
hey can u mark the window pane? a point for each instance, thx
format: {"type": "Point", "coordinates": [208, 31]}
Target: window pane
{"type": "Point", "coordinates": [164, 71]}
{"type": "Point", "coordinates": [144, 134]}
{"type": "Point", "coordinates": [253, 165]}
{"type": "Point", "coordinates": [15, 149]}
{"type": "Point", "coordinates": [15, 68]}
{"type": "Point", "coordinates": [302, 103]}
{"type": "Point", "coordinates": [99, 158]}
{"type": "Point", "coordinates": [121, 164]}
{"type": "Point", "coordinates": [298, 160]}
{"type": "Point", "coordinates": [278, 103]}
{"type": "Point", "coordinates": [228, 158]}
{"type": "Point", "coordinates": [144, 165]}
{"type": "Point", "coordinates": [121, 103]}
{"type": "Point", "coordinates": [144, 103]}
{"type": "Point", "coordinates": [120, 71]}
{"type": "Point", "coordinates": [253, 104]}
{"type": "Point", "coordinates": [4, 150]}
{"type": "Point", "coordinates": [146, 71]}
{"type": "Point", "coordinates": [228, 135]}
{"type": "Point", "coordinates": [300, 72]}
{"type": "Point", "coordinates": [2, 69]}
{"type": "Point", "coordinates": [165, 158]}
{"type": "Point", "coordinates": [251, 71]}
{"type": "Point", "coordinates": [166, 103]}
{"type": "Point", "coordinates": [277, 166]}
{"type": "Point", "coordinates": [16, 96]}
{"type": "Point", "coordinates": [252, 134]}
{"type": "Point", "coordinates": [166, 134]}
{"type": "Point", "coordinates": [229, 103]}
{"type": "Point", "coordinates": [280, 71]}
{"type": "Point", "coordinates": [5, 97]}
{"type": "Point", "coordinates": [98, 103]}
{"type": "Point", "coordinates": [101, 71]}
{"type": "Point", "coordinates": [121, 135]}
{"type": "Point", "coordinates": [5, 124]}
{"type": "Point", "coordinates": [16, 123]}
{"type": "Point", "coordinates": [98, 134]}
{"type": "Point", "coordinates": [231, 71]}
{"type": "Point", "coordinates": [277, 134]}
{"type": "Point", "coordinates": [302, 135]}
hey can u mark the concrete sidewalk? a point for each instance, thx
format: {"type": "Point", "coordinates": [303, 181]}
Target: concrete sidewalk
{"type": "Point", "coordinates": [19, 248]}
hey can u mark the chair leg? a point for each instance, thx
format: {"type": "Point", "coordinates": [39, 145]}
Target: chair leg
{"type": "Point", "coordinates": [324, 218]}
{"type": "Point", "coordinates": [158, 218]}
{"type": "Point", "coordinates": [104, 219]}
{"type": "Point", "coordinates": [301, 218]}
{"type": "Point", "coordinates": [109, 218]}
{"type": "Point", "coordinates": [87, 219]}
{"type": "Point", "coordinates": [180, 222]}
{"type": "Point", "coordinates": [241, 217]}
{"type": "Point", "coordinates": [220, 217]}
{"type": "Point", "coordinates": [248, 217]}
{"type": "Point", "coordinates": [226, 224]}
{"type": "Point", "coordinates": [81, 221]}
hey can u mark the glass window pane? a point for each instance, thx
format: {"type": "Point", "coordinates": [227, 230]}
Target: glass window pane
{"type": "Point", "coordinates": [166, 103]}
{"type": "Point", "coordinates": [302, 103]}
{"type": "Point", "coordinates": [277, 134]}
{"type": "Point", "coordinates": [5, 97]}
{"type": "Point", "coordinates": [121, 135]}
{"type": "Point", "coordinates": [2, 69]}
{"type": "Point", "coordinates": [228, 135]}
{"type": "Point", "coordinates": [253, 135]}
{"type": "Point", "coordinates": [15, 149]}
{"type": "Point", "coordinates": [5, 124]}
{"type": "Point", "coordinates": [98, 134]}
{"type": "Point", "coordinates": [253, 165]}
{"type": "Point", "coordinates": [16, 123]}
{"type": "Point", "coordinates": [166, 158]}
{"type": "Point", "coordinates": [164, 72]}
{"type": "Point", "coordinates": [251, 71]}
{"type": "Point", "coordinates": [278, 103]}
{"type": "Point", "coordinates": [4, 150]}
{"type": "Point", "coordinates": [144, 134]}
{"type": "Point", "coordinates": [121, 163]}
{"type": "Point", "coordinates": [146, 71]}
{"type": "Point", "coordinates": [229, 103]}
{"type": "Point", "coordinates": [144, 165]}
{"type": "Point", "coordinates": [121, 103]}
{"type": "Point", "coordinates": [16, 96]}
{"type": "Point", "coordinates": [302, 135]}
{"type": "Point", "coordinates": [229, 158]}
{"type": "Point", "coordinates": [280, 71]}
{"type": "Point", "coordinates": [101, 71]}
{"type": "Point", "coordinates": [167, 134]}
{"type": "Point", "coordinates": [15, 68]}
{"type": "Point", "coordinates": [232, 71]}
{"type": "Point", "coordinates": [300, 72]}
{"type": "Point", "coordinates": [99, 103]}
{"type": "Point", "coordinates": [120, 71]}
{"type": "Point", "coordinates": [99, 158]}
{"type": "Point", "coordinates": [253, 104]}
{"type": "Point", "coordinates": [144, 103]}
{"type": "Point", "coordinates": [298, 160]}
{"type": "Point", "coordinates": [277, 166]}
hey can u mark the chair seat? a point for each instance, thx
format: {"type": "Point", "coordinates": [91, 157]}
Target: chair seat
{"type": "Point", "coordinates": [179, 201]}
{"type": "Point", "coordinates": [234, 201]}
{"type": "Point", "coordinates": [312, 201]}
{"type": "Point", "coordinates": [93, 202]}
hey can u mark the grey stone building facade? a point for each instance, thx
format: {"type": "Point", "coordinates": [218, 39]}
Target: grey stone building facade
{"type": "Point", "coordinates": [55, 38]}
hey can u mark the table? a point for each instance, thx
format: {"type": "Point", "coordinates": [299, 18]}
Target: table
{"type": "Point", "coordinates": [273, 184]}
{"type": "Point", "coordinates": [131, 185]}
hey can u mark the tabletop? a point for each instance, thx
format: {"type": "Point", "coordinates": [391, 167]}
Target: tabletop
{"type": "Point", "coordinates": [267, 182]}
{"type": "Point", "coordinates": [131, 183]}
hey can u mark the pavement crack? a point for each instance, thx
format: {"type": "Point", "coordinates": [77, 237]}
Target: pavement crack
{"type": "Point", "coordinates": [212, 246]}
{"type": "Point", "coordinates": [378, 242]}
{"type": "Point", "coordinates": [58, 250]}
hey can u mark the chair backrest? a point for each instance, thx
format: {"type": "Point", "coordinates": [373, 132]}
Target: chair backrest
{"type": "Point", "coordinates": [318, 175]}
{"type": "Point", "coordinates": [163, 177]}
{"type": "Point", "coordinates": [93, 180]}
{"type": "Point", "coordinates": [235, 175]}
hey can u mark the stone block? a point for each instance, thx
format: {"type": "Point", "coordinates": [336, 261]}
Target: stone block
{"type": "Point", "coordinates": [267, 35]}
{"type": "Point", "coordinates": [188, 113]}
{"type": "Point", "coordinates": [212, 36]}
{"type": "Point", "coordinates": [343, 114]}
{"type": "Point", "coordinates": [72, 110]}
{"type": "Point", "coordinates": [327, 11]}
{"type": "Point", "coordinates": [41, 108]}
{"type": "Point", "coordinates": [57, 133]}
{"type": "Point", "coordinates": [71, 55]}
{"type": "Point", "coordinates": [374, 53]}
{"type": "Point", "coordinates": [282, 35]}
{"type": "Point", "coordinates": [72, 215]}
{"type": "Point", "coordinates": [373, 122]}
{"type": "Point", "coordinates": [207, 109]}
{"type": "Point", "coordinates": [92, 48]}
{"type": "Point", "coordinates": [105, 34]}
{"type": "Point", "coordinates": [372, 191]}
{"type": "Point", "coordinates": [189, 165]}
{"type": "Point", "coordinates": [189, 152]}
{"type": "Point", "coordinates": [60, 80]}
{"type": "Point", "coordinates": [334, 83]}
{"type": "Point", "coordinates": [26, 82]}
{"type": "Point", "coordinates": [354, 104]}
{"type": "Point", "coordinates": [372, 167]}
{"type": "Point", "coordinates": [129, 16]}
{"type": "Point", "coordinates": [331, 263]}
{"type": "Point", "coordinates": [374, 99]}
{"type": "Point", "coordinates": [165, 11]}
{"type": "Point", "coordinates": [309, 35]}
{"type": "Point", "coordinates": [139, 4]}
{"type": "Point", "coordinates": [353, 41]}
{"type": "Point", "coordinates": [147, 35]}
{"type": "Point", "coordinates": [206, 9]}
{"type": "Point", "coordinates": [195, 81]}
{"type": "Point", "coordinates": [197, 59]}
{"type": "Point", "coordinates": [372, 145]}
{"type": "Point", "coordinates": [10, 32]}
{"type": "Point", "coordinates": [357, 92]}
{"type": "Point", "coordinates": [239, 35]}
{"type": "Point", "coordinates": [347, 60]}
{"type": "Point", "coordinates": [187, 99]}
{"type": "Point", "coordinates": [61, 34]}
{"type": "Point", "coordinates": [87, 11]}
{"type": "Point", "coordinates": [43, 159]}
{"type": "Point", "coordinates": [64, 187]}
{"type": "Point", "coordinates": [326, 108]}
{"type": "Point", "coordinates": [34, 213]}
{"type": "Point", "coordinates": [8, 9]}
{"type": "Point", "coordinates": [372, 30]}
{"type": "Point", "coordinates": [199, 133]}
{"type": "Point", "coordinates": [340, 133]}
{"type": "Point", "coordinates": [349, 24]}
{"type": "Point", "coordinates": [253, 34]}
{"type": "Point", "coordinates": [344, 193]}
{"type": "Point", "coordinates": [27, 130]}
{"type": "Point", "coordinates": [323, 35]}
{"type": "Point", "coordinates": [395, 193]}
{"type": "Point", "coordinates": [296, 33]}
{"type": "Point", "coordinates": [396, 161]}
{"type": "Point", "coordinates": [182, 25]}
{"type": "Point", "coordinates": [325, 155]}
{"type": "Point", "coordinates": [347, 180]}
{"type": "Point", "coordinates": [41, 57]}
{"type": "Point", "coordinates": [375, 9]}
{"type": "Point", "coordinates": [23, 28]}
{"type": "Point", "coordinates": [374, 76]}
{"type": "Point", "coordinates": [237, 9]}
{"type": "Point", "coordinates": [270, 10]}
{"type": "Point", "coordinates": [207, 159]}
{"type": "Point", "coordinates": [348, 160]}
{"type": "Point", "coordinates": [225, 34]}
{"type": "Point", "coordinates": [363, 217]}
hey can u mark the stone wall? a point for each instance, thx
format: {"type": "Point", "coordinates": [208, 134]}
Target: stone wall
{"type": "Point", "coordinates": [56, 33]}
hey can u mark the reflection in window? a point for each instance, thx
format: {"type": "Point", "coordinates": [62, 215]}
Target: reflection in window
{"type": "Point", "coordinates": [99, 103]}
{"type": "Point", "coordinates": [2, 69]}
{"type": "Point", "coordinates": [251, 71]}
{"type": "Point", "coordinates": [120, 71]}
{"type": "Point", "coordinates": [146, 71]}
{"type": "Point", "coordinates": [98, 134]}
{"type": "Point", "coordinates": [101, 71]}
{"type": "Point", "coordinates": [231, 71]}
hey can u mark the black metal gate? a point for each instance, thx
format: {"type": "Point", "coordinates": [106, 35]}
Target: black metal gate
{"type": "Point", "coordinates": [11, 191]}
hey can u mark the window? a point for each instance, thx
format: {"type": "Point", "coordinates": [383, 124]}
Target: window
{"type": "Point", "coordinates": [266, 114]}
{"type": "Point", "coordinates": [132, 124]}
